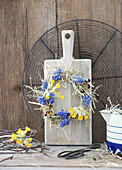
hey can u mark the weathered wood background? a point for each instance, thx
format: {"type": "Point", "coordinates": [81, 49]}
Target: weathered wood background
{"type": "Point", "coordinates": [21, 23]}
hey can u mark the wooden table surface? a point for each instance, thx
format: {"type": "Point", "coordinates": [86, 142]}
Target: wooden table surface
{"type": "Point", "coordinates": [22, 22]}
{"type": "Point", "coordinates": [49, 160]}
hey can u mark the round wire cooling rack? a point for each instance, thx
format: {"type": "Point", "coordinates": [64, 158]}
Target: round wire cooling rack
{"type": "Point", "coordinates": [94, 40]}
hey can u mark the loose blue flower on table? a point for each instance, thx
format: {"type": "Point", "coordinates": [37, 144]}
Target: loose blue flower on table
{"type": "Point", "coordinates": [78, 79]}
{"type": "Point", "coordinates": [44, 86]}
{"type": "Point", "coordinates": [57, 74]}
{"type": "Point", "coordinates": [86, 99]}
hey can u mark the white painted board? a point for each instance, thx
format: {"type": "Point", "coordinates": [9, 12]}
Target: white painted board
{"type": "Point", "coordinates": [78, 132]}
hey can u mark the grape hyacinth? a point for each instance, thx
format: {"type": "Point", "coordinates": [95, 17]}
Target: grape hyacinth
{"type": "Point", "coordinates": [51, 97]}
{"type": "Point", "coordinates": [64, 122]}
{"type": "Point", "coordinates": [78, 79]}
{"type": "Point", "coordinates": [86, 99]}
{"type": "Point", "coordinates": [43, 100]}
{"type": "Point", "coordinates": [57, 74]}
{"type": "Point", "coordinates": [65, 118]}
{"type": "Point", "coordinates": [44, 86]}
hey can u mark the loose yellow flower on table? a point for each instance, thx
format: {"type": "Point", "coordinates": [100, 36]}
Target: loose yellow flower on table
{"type": "Point", "coordinates": [80, 117]}
{"type": "Point", "coordinates": [30, 139]}
{"type": "Point", "coordinates": [28, 129]}
{"type": "Point", "coordinates": [73, 114]}
{"type": "Point", "coordinates": [14, 136]}
{"type": "Point", "coordinates": [19, 131]}
{"type": "Point", "coordinates": [28, 144]}
{"type": "Point", "coordinates": [19, 141]}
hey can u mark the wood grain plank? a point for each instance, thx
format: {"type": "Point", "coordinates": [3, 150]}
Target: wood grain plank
{"type": "Point", "coordinates": [22, 22]}
{"type": "Point", "coordinates": [108, 11]}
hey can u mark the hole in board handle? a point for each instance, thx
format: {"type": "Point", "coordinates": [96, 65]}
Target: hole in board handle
{"type": "Point", "coordinates": [67, 36]}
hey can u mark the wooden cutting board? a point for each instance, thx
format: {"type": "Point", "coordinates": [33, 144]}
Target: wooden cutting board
{"type": "Point", "coordinates": [77, 132]}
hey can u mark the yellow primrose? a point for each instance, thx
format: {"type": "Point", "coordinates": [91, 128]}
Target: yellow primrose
{"type": "Point", "coordinates": [54, 91]}
{"type": "Point", "coordinates": [14, 136]}
{"type": "Point", "coordinates": [58, 85]}
{"type": "Point", "coordinates": [28, 129]}
{"type": "Point", "coordinates": [80, 117]}
{"type": "Point", "coordinates": [50, 113]}
{"type": "Point", "coordinates": [73, 115]}
{"type": "Point", "coordinates": [19, 141]}
{"type": "Point", "coordinates": [52, 81]}
{"type": "Point", "coordinates": [19, 131]}
{"type": "Point", "coordinates": [89, 114]}
{"type": "Point", "coordinates": [86, 117]}
{"type": "Point", "coordinates": [47, 97]}
{"type": "Point", "coordinates": [71, 109]}
{"type": "Point", "coordinates": [81, 110]}
{"type": "Point", "coordinates": [62, 97]}
{"type": "Point", "coordinates": [30, 139]}
{"type": "Point", "coordinates": [28, 144]}
{"type": "Point", "coordinates": [59, 93]}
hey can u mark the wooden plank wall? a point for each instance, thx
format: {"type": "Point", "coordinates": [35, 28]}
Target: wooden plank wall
{"type": "Point", "coordinates": [21, 23]}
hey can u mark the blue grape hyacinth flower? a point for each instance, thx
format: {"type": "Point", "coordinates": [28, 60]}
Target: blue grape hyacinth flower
{"type": "Point", "coordinates": [57, 74]}
{"type": "Point", "coordinates": [42, 100]}
{"type": "Point", "coordinates": [64, 122]}
{"type": "Point", "coordinates": [51, 97]}
{"type": "Point", "coordinates": [65, 118]}
{"type": "Point", "coordinates": [44, 86]}
{"type": "Point", "coordinates": [78, 79]}
{"type": "Point", "coordinates": [86, 99]}
{"type": "Point", "coordinates": [63, 114]}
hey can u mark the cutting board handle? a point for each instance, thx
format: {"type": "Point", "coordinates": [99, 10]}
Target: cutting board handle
{"type": "Point", "coordinates": [67, 44]}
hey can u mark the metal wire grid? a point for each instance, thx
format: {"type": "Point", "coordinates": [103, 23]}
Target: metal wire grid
{"type": "Point", "coordinates": [93, 40]}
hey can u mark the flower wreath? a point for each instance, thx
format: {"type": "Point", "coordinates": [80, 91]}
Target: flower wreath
{"type": "Point", "coordinates": [48, 94]}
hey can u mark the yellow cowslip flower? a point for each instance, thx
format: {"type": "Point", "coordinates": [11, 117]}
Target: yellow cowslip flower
{"type": "Point", "coordinates": [73, 114]}
{"type": "Point", "coordinates": [59, 93]}
{"type": "Point", "coordinates": [52, 81]}
{"type": "Point", "coordinates": [58, 86]}
{"type": "Point", "coordinates": [54, 91]}
{"type": "Point", "coordinates": [12, 139]}
{"type": "Point", "coordinates": [19, 141]}
{"type": "Point", "coordinates": [62, 97]}
{"type": "Point", "coordinates": [14, 136]}
{"type": "Point", "coordinates": [71, 109]}
{"type": "Point", "coordinates": [19, 131]}
{"type": "Point", "coordinates": [47, 97]}
{"type": "Point", "coordinates": [80, 117]}
{"type": "Point", "coordinates": [29, 139]}
{"type": "Point", "coordinates": [81, 110]}
{"type": "Point", "coordinates": [86, 117]}
{"type": "Point", "coordinates": [89, 114]}
{"type": "Point", "coordinates": [28, 129]}
{"type": "Point", "coordinates": [28, 144]}
{"type": "Point", "coordinates": [50, 113]}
